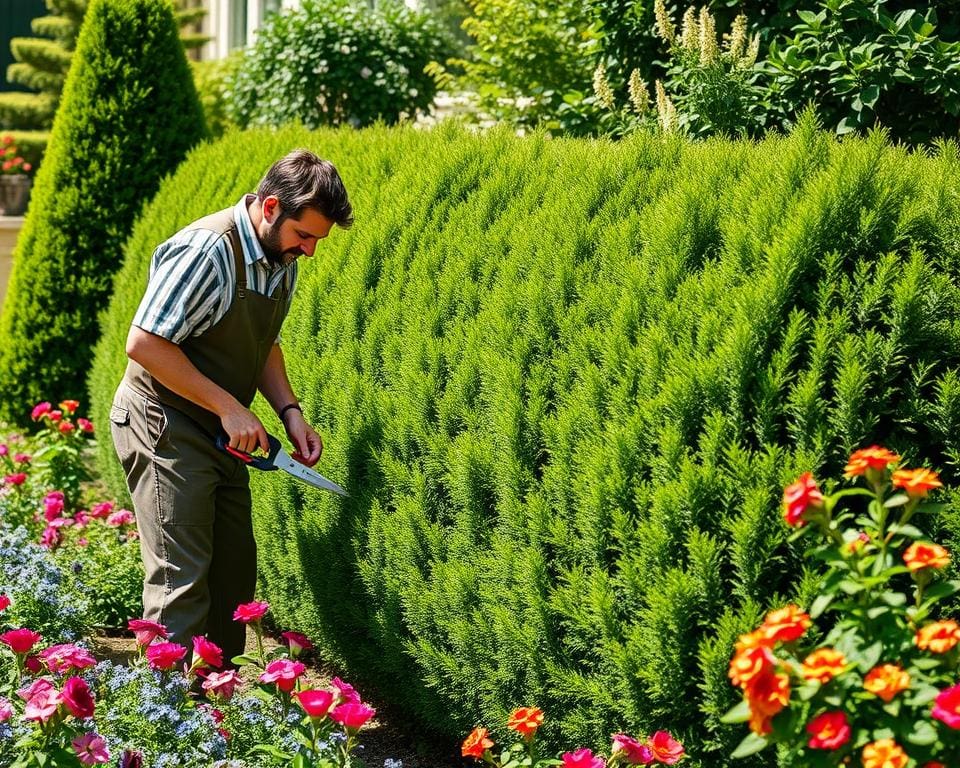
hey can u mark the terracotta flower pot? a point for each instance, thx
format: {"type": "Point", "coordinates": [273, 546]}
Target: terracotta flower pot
{"type": "Point", "coordinates": [14, 194]}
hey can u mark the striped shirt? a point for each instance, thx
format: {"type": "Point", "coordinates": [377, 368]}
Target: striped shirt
{"type": "Point", "coordinates": [192, 277]}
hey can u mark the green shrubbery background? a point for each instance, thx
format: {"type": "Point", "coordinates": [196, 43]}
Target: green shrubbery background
{"type": "Point", "coordinates": [564, 382]}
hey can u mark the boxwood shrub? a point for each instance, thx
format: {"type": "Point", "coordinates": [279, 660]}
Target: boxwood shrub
{"type": "Point", "coordinates": [564, 382]}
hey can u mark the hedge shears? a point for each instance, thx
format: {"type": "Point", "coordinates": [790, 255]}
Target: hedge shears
{"type": "Point", "coordinates": [280, 459]}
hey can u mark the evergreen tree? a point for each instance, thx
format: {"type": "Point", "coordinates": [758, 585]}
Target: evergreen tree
{"type": "Point", "coordinates": [129, 115]}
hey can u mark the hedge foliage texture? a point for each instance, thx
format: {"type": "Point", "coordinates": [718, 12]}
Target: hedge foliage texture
{"type": "Point", "coordinates": [129, 114]}
{"type": "Point", "coordinates": [565, 382]}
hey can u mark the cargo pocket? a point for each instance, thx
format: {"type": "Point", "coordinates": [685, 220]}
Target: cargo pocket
{"type": "Point", "coordinates": [120, 430]}
{"type": "Point", "coordinates": [156, 419]}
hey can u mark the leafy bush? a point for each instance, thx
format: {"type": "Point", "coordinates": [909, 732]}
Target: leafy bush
{"type": "Point", "coordinates": [212, 79]}
{"type": "Point", "coordinates": [129, 114]}
{"type": "Point", "coordinates": [565, 382]}
{"type": "Point", "coordinates": [333, 62]}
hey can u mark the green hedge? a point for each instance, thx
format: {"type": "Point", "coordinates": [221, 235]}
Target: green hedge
{"type": "Point", "coordinates": [565, 382]}
{"type": "Point", "coordinates": [129, 114]}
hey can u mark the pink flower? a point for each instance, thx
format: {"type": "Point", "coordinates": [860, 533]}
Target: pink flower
{"type": "Point", "coordinates": [17, 478]}
{"type": "Point", "coordinates": [297, 643]}
{"type": "Point", "coordinates": [582, 758]}
{"type": "Point", "coordinates": [345, 692]}
{"type": "Point", "coordinates": [4, 449]}
{"type": "Point", "coordinates": [120, 517]}
{"type": "Point", "coordinates": [70, 406]}
{"type": "Point", "coordinates": [165, 655]}
{"type": "Point", "coordinates": [85, 425]}
{"type": "Point", "coordinates": [221, 683]}
{"type": "Point", "coordinates": [147, 631]}
{"type": "Point", "coordinates": [91, 749]}
{"type": "Point", "coordinates": [352, 715]}
{"type": "Point", "coordinates": [33, 665]}
{"type": "Point", "coordinates": [4, 602]}
{"type": "Point", "coordinates": [6, 710]}
{"type": "Point", "coordinates": [20, 640]}
{"type": "Point", "coordinates": [103, 509]}
{"type": "Point", "coordinates": [82, 541]}
{"type": "Point", "coordinates": [39, 410]}
{"type": "Point", "coordinates": [315, 703]}
{"type": "Point", "coordinates": [22, 458]}
{"type": "Point", "coordinates": [829, 730]}
{"type": "Point", "coordinates": [66, 427]}
{"type": "Point", "coordinates": [50, 538]}
{"type": "Point", "coordinates": [42, 705]}
{"type": "Point", "coordinates": [946, 707]}
{"type": "Point", "coordinates": [81, 518]}
{"type": "Point", "coordinates": [131, 758]}
{"type": "Point", "coordinates": [55, 416]}
{"type": "Point", "coordinates": [250, 612]}
{"type": "Point", "coordinates": [284, 673]}
{"type": "Point", "coordinates": [665, 748]}
{"type": "Point", "coordinates": [207, 651]}
{"type": "Point", "coordinates": [63, 658]}
{"type": "Point", "coordinates": [632, 750]}
{"type": "Point", "coordinates": [53, 504]}
{"type": "Point", "coordinates": [76, 695]}
{"type": "Point", "coordinates": [59, 522]}
{"type": "Point", "coordinates": [38, 685]}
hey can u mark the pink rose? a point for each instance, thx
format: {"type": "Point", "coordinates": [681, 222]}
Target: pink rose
{"type": "Point", "coordinates": [297, 642]}
{"type": "Point", "coordinates": [76, 695]}
{"type": "Point", "coordinates": [42, 705]}
{"type": "Point", "coordinates": [39, 409]}
{"type": "Point", "coordinates": [315, 703]}
{"type": "Point", "coordinates": [62, 658]}
{"type": "Point", "coordinates": [283, 673]}
{"type": "Point", "coordinates": [165, 655]}
{"type": "Point", "coordinates": [38, 685]}
{"type": "Point", "coordinates": [22, 458]}
{"type": "Point", "coordinates": [345, 692]}
{"type": "Point", "coordinates": [582, 758]}
{"type": "Point", "coordinates": [91, 749]}
{"type": "Point", "coordinates": [33, 664]}
{"type": "Point", "coordinates": [665, 748]}
{"type": "Point", "coordinates": [66, 427]}
{"type": "Point", "coordinates": [17, 478]}
{"type": "Point", "coordinates": [20, 640]}
{"type": "Point", "coordinates": [632, 750]}
{"type": "Point", "coordinates": [4, 602]}
{"type": "Point", "coordinates": [250, 612]}
{"type": "Point", "coordinates": [50, 538]}
{"type": "Point", "coordinates": [946, 707]}
{"type": "Point", "coordinates": [55, 416]}
{"type": "Point", "coordinates": [352, 715]}
{"type": "Point", "coordinates": [207, 651]}
{"type": "Point", "coordinates": [53, 504]}
{"type": "Point", "coordinates": [147, 631]}
{"type": "Point", "coordinates": [120, 517]}
{"type": "Point", "coordinates": [6, 710]}
{"type": "Point", "coordinates": [221, 684]}
{"type": "Point", "coordinates": [103, 509]}
{"type": "Point", "coordinates": [85, 425]}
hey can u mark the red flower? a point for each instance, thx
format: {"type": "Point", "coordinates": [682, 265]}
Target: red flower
{"type": "Point", "coordinates": [85, 425]}
{"type": "Point", "coordinates": [526, 720]}
{"type": "Point", "coordinates": [665, 748]}
{"type": "Point", "coordinates": [250, 612]}
{"type": "Point", "coordinates": [344, 691]}
{"type": "Point", "coordinates": [297, 642]}
{"type": "Point", "coordinates": [76, 695]}
{"type": "Point", "coordinates": [828, 731]}
{"type": "Point", "coordinates": [62, 658]}
{"type": "Point", "coordinates": [315, 703]}
{"type": "Point", "coordinates": [582, 758]}
{"type": "Point", "coordinates": [476, 744]}
{"type": "Point", "coordinates": [20, 640]}
{"type": "Point", "coordinates": [165, 655]}
{"type": "Point", "coordinates": [207, 651]}
{"type": "Point", "coordinates": [631, 750]}
{"type": "Point", "coordinates": [946, 707]}
{"type": "Point", "coordinates": [39, 410]}
{"type": "Point", "coordinates": [799, 497]}
{"type": "Point", "coordinates": [874, 457]}
{"type": "Point", "coordinates": [147, 631]}
{"type": "Point", "coordinates": [66, 427]}
{"type": "Point", "coordinates": [4, 602]}
{"type": "Point", "coordinates": [352, 715]}
{"type": "Point", "coordinates": [17, 478]}
{"type": "Point", "coordinates": [283, 673]}
{"type": "Point", "coordinates": [70, 406]}
{"type": "Point", "coordinates": [221, 683]}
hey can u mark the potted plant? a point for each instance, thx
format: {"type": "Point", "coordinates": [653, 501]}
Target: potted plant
{"type": "Point", "coordinates": [15, 180]}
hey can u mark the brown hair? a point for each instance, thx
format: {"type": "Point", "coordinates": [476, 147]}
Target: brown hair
{"type": "Point", "coordinates": [302, 180]}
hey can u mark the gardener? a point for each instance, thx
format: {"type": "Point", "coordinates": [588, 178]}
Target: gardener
{"type": "Point", "coordinates": [203, 341]}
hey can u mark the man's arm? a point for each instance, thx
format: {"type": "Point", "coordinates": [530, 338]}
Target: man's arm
{"type": "Point", "coordinates": [275, 387]}
{"type": "Point", "coordinates": [167, 363]}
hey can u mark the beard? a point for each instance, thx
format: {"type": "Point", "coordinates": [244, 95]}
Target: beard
{"type": "Point", "coordinates": [272, 250]}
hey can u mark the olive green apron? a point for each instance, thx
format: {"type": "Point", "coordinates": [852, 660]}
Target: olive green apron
{"type": "Point", "coordinates": [192, 501]}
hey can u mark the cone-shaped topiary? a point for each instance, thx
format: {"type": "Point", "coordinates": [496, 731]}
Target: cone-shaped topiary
{"type": "Point", "coordinates": [128, 116]}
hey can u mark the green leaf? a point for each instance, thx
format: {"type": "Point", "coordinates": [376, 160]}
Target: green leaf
{"type": "Point", "coordinates": [941, 589]}
{"type": "Point", "coordinates": [901, 498]}
{"type": "Point", "coordinates": [820, 604]}
{"type": "Point", "coordinates": [245, 659]}
{"type": "Point", "coordinates": [750, 745]}
{"type": "Point", "coordinates": [922, 733]}
{"type": "Point", "coordinates": [895, 599]}
{"type": "Point", "coordinates": [739, 713]}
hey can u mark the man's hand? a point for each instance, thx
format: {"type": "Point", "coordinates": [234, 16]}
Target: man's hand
{"type": "Point", "coordinates": [305, 440]}
{"type": "Point", "coordinates": [245, 430]}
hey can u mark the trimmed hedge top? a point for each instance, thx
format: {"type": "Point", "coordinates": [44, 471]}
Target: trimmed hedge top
{"type": "Point", "coordinates": [565, 382]}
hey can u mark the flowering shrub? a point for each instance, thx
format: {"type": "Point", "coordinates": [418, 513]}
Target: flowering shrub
{"type": "Point", "coordinates": [11, 161]}
{"type": "Point", "coordinates": [881, 687]}
{"type": "Point", "coordinates": [660, 747]}
{"type": "Point", "coordinates": [62, 436]}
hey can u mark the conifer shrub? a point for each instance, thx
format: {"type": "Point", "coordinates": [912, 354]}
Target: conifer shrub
{"type": "Point", "coordinates": [128, 116]}
{"type": "Point", "coordinates": [565, 383]}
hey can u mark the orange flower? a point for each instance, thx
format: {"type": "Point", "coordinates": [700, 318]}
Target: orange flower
{"type": "Point", "coordinates": [768, 693]}
{"type": "Point", "coordinates": [886, 681]}
{"type": "Point", "coordinates": [526, 720]}
{"type": "Point", "coordinates": [938, 637]}
{"type": "Point", "coordinates": [830, 730]}
{"type": "Point", "coordinates": [748, 663]}
{"type": "Point", "coordinates": [921, 555]}
{"type": "Point", "coordinates": [823, 665]}
{"type": "Point", "coordinates": [873, 457]}
{"type": "Point", "coordinates": [799, 497]}
{"type": "Point", "coordinates": [785, 624]}
{"type": "Point", "coordinates": [760, 723]}
{"type": "Point", "coordinates": [69, 406]}
{"type": "Point", "coordinates": [884, 753]}
{"type": "Point", "coordinates": [916, 482]}
{"type": "Point", "coordinates": [756, 639]}
{"type": "Point", "coordinates": [476, 744]}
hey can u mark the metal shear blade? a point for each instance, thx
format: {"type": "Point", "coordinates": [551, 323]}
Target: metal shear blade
{"type": "Point", "coordinates": [280, 459]}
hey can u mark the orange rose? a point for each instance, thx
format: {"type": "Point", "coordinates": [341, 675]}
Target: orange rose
{"type": "Point", "coordinates": [476, 744]}
{"type": "Point", "coordinates": [799, 497]}
{"type": "Point", "coordinates": [748, 663]}
{"type": "Point", "coordinates": [526, 720]}
{"type": "Point", "coordinates": [916, 482]}
{"type": "Point", "coordinates": [938, 637]}
{"type": "Point", "coordinates": [921, 555]}
{"type": "Point", "coordinates": [785, 624]}
{"type": "Point", "coordinates": [768, 693]}
{"type": "Point", "coordinates": [884, 753]}
{"type": "Point", "coordinates": [873, 457]}
{"type": "Point", "coordinates": [823, 665]}
{"type": "Point", "coordinates": [886, 681]}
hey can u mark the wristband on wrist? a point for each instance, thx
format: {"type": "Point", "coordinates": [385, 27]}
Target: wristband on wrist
{"type": "Point", "coordinates": [290, 406]}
